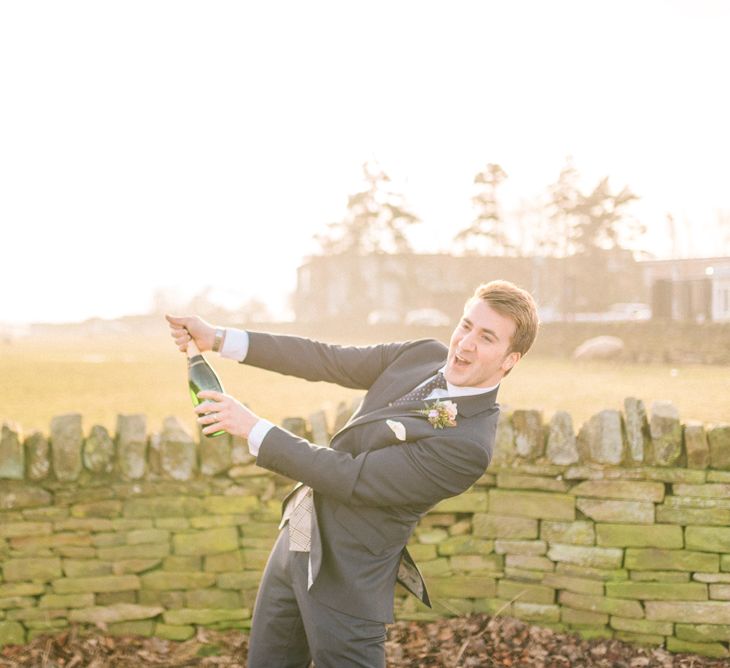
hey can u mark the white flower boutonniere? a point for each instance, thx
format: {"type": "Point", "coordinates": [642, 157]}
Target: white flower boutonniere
{"type": "Point", "coordinates": [441, 414]}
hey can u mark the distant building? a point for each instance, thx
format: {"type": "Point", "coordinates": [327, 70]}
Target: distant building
{"type": "Point", "coordinates": [696, 289]}
{"type": "Point", "coordinates": [354, 286]}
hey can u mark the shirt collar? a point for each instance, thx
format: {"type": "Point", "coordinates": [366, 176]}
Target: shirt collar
{"type": "Point", "coordinates": [460, 391]}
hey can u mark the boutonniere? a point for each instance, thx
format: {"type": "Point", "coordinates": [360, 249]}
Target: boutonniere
{"type": "Point", "coordinates": [440, 414]}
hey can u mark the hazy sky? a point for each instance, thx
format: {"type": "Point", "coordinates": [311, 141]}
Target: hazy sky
{"type": "Point", "coordinates": [181, 144]}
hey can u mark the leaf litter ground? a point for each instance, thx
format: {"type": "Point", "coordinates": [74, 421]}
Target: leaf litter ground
{"type": "Point", "coordinates": [467, 642]}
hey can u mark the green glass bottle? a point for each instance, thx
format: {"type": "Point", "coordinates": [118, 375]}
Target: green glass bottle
{"type": "Point", "coordinates": [201, 377]}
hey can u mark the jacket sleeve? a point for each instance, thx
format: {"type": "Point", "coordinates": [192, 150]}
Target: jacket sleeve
{"type": "Point", "coordinates": [351, 366]}
{"type": "Point", "coordinates": [419, 472]}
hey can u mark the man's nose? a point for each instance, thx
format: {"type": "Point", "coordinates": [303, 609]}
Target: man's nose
{"type": "Point", "coordinates": [468, 341]}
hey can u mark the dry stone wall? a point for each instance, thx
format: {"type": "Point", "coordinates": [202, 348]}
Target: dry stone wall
{"type": "Point", "coordinates": [621, 529]}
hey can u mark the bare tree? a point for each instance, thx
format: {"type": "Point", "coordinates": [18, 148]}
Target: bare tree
{"type": "Point", "coordinates": [563, 198]}
{"type": "Point", "coordinates": [376, 219]}
{"type": "Point", "coordinates": [528, 224]}
{"type": "Point", "coordinates": [672, 232]}
{"type": "Point", "coordinates": [486, 233]}
{"type": "Point", "coordinates": [601, 221]}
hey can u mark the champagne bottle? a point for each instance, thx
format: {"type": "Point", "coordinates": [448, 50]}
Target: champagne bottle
{"type": "Point", "coordinates": [201, 377]}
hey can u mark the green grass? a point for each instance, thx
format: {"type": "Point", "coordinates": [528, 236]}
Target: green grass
{"type": "Point", "coordinates": [101, 377]}
{"type": "Point", "coordinates": [700, 392]}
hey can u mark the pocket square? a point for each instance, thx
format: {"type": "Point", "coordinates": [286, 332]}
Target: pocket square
{"type": "Point", "coordinates": [398, 429]}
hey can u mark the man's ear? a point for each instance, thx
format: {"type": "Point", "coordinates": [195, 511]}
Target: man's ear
{"type": "Point", "coordinates": [510, 360]}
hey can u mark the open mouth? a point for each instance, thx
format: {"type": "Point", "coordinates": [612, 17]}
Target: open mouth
{"type": "Point", "coordinates": [460, 362]}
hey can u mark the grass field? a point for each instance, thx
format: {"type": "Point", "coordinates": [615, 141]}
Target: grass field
{"type": "Point", "coordinates": [101, 377]}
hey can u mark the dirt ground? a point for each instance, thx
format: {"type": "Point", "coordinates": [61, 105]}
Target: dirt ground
{"type": "Point", "coordinates": [467, 642]}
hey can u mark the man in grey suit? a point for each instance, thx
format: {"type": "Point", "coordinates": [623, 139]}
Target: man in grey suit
{"type": "Point", "coordinates": [424, 432]}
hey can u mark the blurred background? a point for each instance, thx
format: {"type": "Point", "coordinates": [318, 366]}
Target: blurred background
{"type": "Point", "coordinates": [351, 171]}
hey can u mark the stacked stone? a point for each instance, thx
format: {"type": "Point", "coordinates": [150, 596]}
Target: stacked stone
{"type": "Point", "coordinates": [144, 534]}
{"type": "Point", "coordinates": [618, 531]}
{"type": "Point", "coordinates": [131, 454]}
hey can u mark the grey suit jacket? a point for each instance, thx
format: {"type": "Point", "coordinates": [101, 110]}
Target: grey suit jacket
{"type": "Point", "coordinates": [370, 488]}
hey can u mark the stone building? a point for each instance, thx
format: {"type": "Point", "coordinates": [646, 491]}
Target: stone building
{"type": "Point", "coordinates": [354, 286]}
{"type": "Point", "coordinates": [694, 289]}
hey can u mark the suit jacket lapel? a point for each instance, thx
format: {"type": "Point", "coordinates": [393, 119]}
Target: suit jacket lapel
{"type": "Point", "coordinates": [398, 387]}
{"type": "Point", "coordinates": [468, 406]}
{"type": "Point", "coordinates": [403, 384]}
{"type": "Point", "coordinates": [471, 404]}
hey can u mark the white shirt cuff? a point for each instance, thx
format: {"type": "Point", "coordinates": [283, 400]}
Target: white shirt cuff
{"type": "Point", "coordinates": [235, 345]}
{"type": "Point", "coordinates": [257, 434]}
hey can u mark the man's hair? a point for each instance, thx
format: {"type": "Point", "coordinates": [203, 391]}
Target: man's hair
{"type": "Point", "coordinates": [510, 301]}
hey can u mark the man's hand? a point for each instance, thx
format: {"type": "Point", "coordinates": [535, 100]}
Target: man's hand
{"type": "Point", "coordinates": [224, 412]}
{"type": "Point", "coordinates": [185, 328]}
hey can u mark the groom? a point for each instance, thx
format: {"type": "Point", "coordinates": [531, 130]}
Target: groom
{"type": "Point", "coordinates": [424, 432]}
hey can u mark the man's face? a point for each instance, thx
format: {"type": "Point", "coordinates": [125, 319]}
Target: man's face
{"type": "Point", "coordinates": [478, 348]}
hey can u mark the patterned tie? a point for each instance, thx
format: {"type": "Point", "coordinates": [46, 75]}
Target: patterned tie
{"type": "Point", "coordinates": [438, 382]}
{"type": "Point", "coordinates": [300, 524]}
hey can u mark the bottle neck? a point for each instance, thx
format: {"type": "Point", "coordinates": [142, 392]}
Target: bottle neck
{"type": "Point", "coordinates": [192, 350]}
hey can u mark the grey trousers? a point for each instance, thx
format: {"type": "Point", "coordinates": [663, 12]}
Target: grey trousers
{"type": "Point", "coordinates": [290, 628]}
